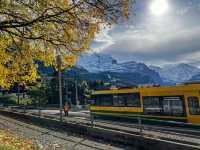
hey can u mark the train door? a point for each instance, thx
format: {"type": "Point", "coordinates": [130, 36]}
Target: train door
{"type": "Point", "coordinates": [193, 108]}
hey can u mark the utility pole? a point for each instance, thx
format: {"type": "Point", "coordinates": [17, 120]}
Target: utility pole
{"type": "Point", "coordinates": [67, 92]}
{"type": "Point", "coordinates": [66, 88]}
{"type": "Point", "coordinates": [76, 87]}
{"type": "Point", "coordinates": [59, 63]}
{"type": "Point", "coordinates": [18, 92]}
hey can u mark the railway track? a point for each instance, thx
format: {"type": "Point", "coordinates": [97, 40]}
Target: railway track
{"type": "Point", "coordinates": [52, 132]}
{"type": "Point", "coordinates": [164, 129]}
{"type": "Point", "coordinates": [176, 134]}
{"type": "Point", "coordinates": [172, 135]}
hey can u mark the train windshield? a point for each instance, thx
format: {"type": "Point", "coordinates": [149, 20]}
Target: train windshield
{"type": "Point", "coordinates": [124, 99]}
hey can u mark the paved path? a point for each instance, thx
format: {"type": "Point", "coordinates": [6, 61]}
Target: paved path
{"type": "Point", "coordinates": [56, 112]}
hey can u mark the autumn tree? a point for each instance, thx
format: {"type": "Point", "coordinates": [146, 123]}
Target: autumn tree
{"type": "Point", "coordinates": [32, 30]}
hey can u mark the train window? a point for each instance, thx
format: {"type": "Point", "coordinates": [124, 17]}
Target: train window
{"type": "Point", "coordinates": [133, 100]}
{"type": "Point", "coordinates": [104, 100]}
{"type": "Point", "coordinates": [152, 105]}
{"type": "Point", "coordinates": [119, 100]}
{"type": "Point", "coordinates": [129, 99]}
{"type": "Point", "coordinates": [193, 104]}
{"type": "Point", "coordinates": [173, 105]}
{"type": "Point", "coordinates": [164, 105]}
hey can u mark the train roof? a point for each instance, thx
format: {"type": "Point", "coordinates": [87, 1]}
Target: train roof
{"type": "Point", "coordinates": [188, 86]}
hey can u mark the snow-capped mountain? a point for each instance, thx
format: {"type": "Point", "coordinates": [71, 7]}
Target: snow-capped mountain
{"type": "Point", "coordinates": [195, 78]}
{"type": "Point", "coordinates": [130, 66]}
{"type": "Point", "coordinates": [96, 62]}
{"type": "Point", "coordinates": [176, 73]}
{"type": "Point", "coordinates": [103, 67]}
{"type": "Point", "coordinates": [101, 63]}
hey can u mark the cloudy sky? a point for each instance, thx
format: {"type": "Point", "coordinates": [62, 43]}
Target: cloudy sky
{"type": "Point", "coordinates": [159, 32]}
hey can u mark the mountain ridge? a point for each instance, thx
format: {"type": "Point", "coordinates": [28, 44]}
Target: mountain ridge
{"type": "Point", "coordinates": [176, 73]}
{"type": "Point", "coordinates": [97, 66]}
{"type": "Point", "coordinates": [101, 63]}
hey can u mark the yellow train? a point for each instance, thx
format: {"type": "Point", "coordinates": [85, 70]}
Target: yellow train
{"type": "Point", "coordinates": [180, 103]}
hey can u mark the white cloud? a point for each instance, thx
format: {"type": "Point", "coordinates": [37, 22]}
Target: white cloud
{"type": "Point", "coordinates": [172, 38]}
{"type": "Point", "coordinates": [103, 40]}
